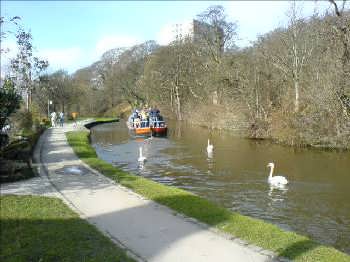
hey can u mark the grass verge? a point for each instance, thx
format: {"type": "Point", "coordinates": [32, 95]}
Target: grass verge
{"type": "Point", "coordinates": [35, 228]}
{"type": "Point", "coordinates": [254, 231]}
{"type": "Point", "coordinates": [98, 119]}
{"type": "Point", "coordinates": [104, 119]}
{"type": "Point", "coordinates": [101, 120]}
{"type": "Point", "coordinates": [79, 118]}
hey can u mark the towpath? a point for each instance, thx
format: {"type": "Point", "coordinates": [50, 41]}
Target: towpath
{"type": "Point", "coordinates": [147, 230]}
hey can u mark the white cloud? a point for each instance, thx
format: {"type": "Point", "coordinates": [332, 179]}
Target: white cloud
{"type": "Point", "coordinates": [260, 17]}
{"type": "Point", "coordinates": [168, 31]}
{"type": "Point", "coordinates": [74, 58]}
{"type": "Point", "coordinates": [62, 58]}
{"type": "Point", "coordinates": [165, 35]}
{"type": "Point", "coordinates": [110, 42]}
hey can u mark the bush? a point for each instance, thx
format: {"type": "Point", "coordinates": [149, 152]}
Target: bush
{"type": "Point", "coordinates": [45, 122]}
{"type": "Point", "coordinates": [259, 129]}
{"type": "Point", "coordinates": [9, 101]}
{"type": "Point", "coordinates": [121, 110]}
{"type": "Point", "coordinates": [22, 120]}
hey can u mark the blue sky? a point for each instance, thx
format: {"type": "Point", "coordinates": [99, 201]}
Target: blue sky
{"type": "Point", "coordinates": [75, 34]}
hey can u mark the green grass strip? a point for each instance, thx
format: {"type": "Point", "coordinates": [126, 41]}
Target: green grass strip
{"type": "Point", "coordinates": [35, 228]}
{"type": "Point", "coordinates": [98, 119]}
{"type": "Point", "coordinates": [104, 119]}
{"type": "Point", "coordinates": [254, 231]}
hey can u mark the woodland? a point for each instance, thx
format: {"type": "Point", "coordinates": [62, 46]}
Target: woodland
{"type": "Point", "coordinates": [291, 85]}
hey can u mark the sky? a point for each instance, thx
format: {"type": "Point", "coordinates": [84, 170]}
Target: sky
{"type": "Point", "coordinates": [74, 34]}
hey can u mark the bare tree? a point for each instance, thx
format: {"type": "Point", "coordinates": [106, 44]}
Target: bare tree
{"type": "Point", "coordinates": [342, 30]}
{"type": "Point", "coordinates": [25, 66]}
{"type": "Point", "coordinates": [214, 34]}
{"type": "Point", "coordinates": [292, 51]}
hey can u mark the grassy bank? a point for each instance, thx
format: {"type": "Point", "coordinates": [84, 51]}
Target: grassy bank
{"type": "Point", "coordinates": [37, 228]}
{"type": "Point", "coordinates": [268, 236]}
{"type": "Point", "coordinates": [104, 119]}
{"type": "Point", "coordinates": [101, 120]}
{"type": "Point", "coordinates": [82, 118]}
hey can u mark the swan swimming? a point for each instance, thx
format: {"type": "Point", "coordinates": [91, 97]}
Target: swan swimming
{"type": "Point", "coordinates": [210, 147]}
{"type": "Point", "coordinates": [276, 180]}
{"type": "Point", "coordinates": [141, 157]}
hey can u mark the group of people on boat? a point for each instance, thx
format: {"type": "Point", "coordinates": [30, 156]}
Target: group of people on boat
{"type": "Point", "coordinates": [146, 118]}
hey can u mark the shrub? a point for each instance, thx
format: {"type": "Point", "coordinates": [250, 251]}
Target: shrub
{"type": "Point", "coordinates": [9, 101]}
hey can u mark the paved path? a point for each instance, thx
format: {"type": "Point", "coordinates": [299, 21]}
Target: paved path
{"type": "Point", "coordinates": [149, 231]}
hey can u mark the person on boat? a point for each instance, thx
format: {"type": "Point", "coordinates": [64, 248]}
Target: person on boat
{"type": "Point", "coordinates": [131, 120]}
{"type": "Point", "coordinates": [137, 122]}
{"type": "Point", "coordinates": [158, 119]}
{"type": "Point", "coordinates": [136, 113]}
{"type": "Point", "coordinates": [133, 116]}
{"type": "Point", "coordinates": [152, 120]}
{"type": "Point", "coordinates": [143, 118]}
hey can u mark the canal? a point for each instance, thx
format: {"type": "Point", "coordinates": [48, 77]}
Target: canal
{"type": "Point", "coordinates": [315, 203]}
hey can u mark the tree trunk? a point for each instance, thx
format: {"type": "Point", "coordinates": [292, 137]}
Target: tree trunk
{"type": "Point", "coordinates": [171, 99]}
{"type": "Point", "coordinates": [27, 100]}
{"type": "Point", "coordinates": [256, 95]}
{"type": "Point", "coordinates": [296, 89]}
{"type": "Point", "coordinates": [178, 103]}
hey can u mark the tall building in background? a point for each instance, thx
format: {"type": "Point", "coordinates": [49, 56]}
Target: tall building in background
{"type": "Point", "coordinates": [199, 32]}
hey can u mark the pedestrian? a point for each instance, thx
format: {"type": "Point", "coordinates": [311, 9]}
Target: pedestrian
{"type": "Point", "coordinates": [61, 118]}
{"type": "Point", "coordinates": [53, 119]}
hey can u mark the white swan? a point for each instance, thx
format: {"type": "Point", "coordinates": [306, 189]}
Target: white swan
{"type": "Point", "coordinates": [276, 180]}
{"type": "Point", "coordinates": [141, 157]}
{"type": "Point", "coordinates": [210, 147]}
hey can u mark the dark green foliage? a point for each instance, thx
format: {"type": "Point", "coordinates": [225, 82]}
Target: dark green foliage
{"type": "Point", "coordinates": [9, 101]}
{"type": "Point", "coordinates": [16, 157]}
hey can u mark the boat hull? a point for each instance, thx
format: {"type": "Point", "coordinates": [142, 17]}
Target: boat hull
{"type": "Point", "coordinates": [159, 131]}
{"type": "Point", "coordinates": [142, 130]}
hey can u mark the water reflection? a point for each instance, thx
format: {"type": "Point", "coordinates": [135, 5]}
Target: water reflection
{"type": "Point", "coordinates": [210, 155]}
{"type": "Point", "coordinates": [210, 160]}
{"type": "Point", "coordinates": [277, 193]}
{"type": "Point", "coordinates": [315, 203]}
{"type": "Point", "coordinates": [141, 166]}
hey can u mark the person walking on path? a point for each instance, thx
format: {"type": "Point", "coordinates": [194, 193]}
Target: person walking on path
{"type": "Point", "coordinates": [61, 115]}
{"type": "Point", "coordinates": [53, 119]}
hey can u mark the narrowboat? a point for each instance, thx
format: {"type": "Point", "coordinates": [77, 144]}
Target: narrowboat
{"type": "Point", "coordinates": [142, 129]}
{"type": "Point", "coordinates": [159, 128]}
{"type": "Point", "coordinates": [152, 123]}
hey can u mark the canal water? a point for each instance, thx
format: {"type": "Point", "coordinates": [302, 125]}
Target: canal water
{"type": "Point", "coordinates": [315, 203]}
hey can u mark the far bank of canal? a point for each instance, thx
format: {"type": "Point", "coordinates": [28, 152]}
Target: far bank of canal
{"type": "Point", "coordinates": [315, 203]}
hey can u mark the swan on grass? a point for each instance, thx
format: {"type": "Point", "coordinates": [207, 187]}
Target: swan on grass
{"type": "Point", "coordinates": [276, 180]}
{"type": "Point", "coordinates": [141, 157]}
{"type": "Point", "coordinates": [210, 147]}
